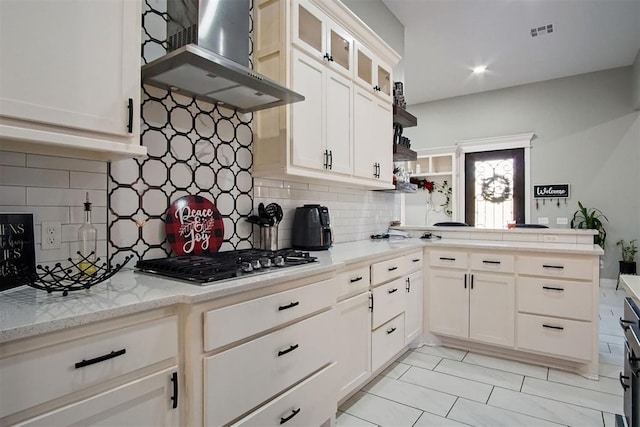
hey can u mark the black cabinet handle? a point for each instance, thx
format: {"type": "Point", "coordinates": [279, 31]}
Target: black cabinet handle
{"type": "Point", "coordinates": [465, 281]}
{"type": "Point", "coordinates": [390, 331]}
{"type": "Point", "coordinates": [560, 328]}
{"type": "Point", "coordinates": [331, 157]}
{"type": "Point", "coordinates": [559, 267]}
{"type": "Point", "coordinates": [552, 288]}
{"type": "Point", "coordinates": [294, 412]}
{"type": "Point", "coordinates": [395, 267]}
{"type": "Point", "coordinates": [371, 301]}
{"type": "Point", "coordinates": [624, 323]}
{"type": "Point", "coordinates": [289, 350]}
{"type": "Point", "coordinates": [443, 258]}
{"type": "Point", "coordinates": [285, 307]}
{"type": "Point", "coordinates": [111, 355]}
{"type": "Point", "coordinates": [490, 262]}
{"type": "Point", "coordinates": [392, 290]}
{"type": "Point", "coordinates": [356, 279]}
{"type": "Point", "coordinates": [471, 281]}
{"type": "Point", "coordinates": [130, 120]}
{"type": "Point", "coordinates": [328, 57]}
{"type": "Point", "coordinates": [408, 284]}
{"type": "Point", "coordinates": [624, 386]}
{"type": "Point", "coordinates": [326, 159]}
{"type": "Point", "coordinates": [416, 260]}
{"type": "Point", "coordinates": [174, 397]}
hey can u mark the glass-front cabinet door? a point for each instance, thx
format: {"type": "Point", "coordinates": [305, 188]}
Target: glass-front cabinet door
{"type": "Point", "coordinates": [372, 73]}
{"type": "Point", "coordinates": [364, 67]}
{"type": "Point", "coordinates": [384, 81]}
{"type": "Point", "coordinates": [339, 47]}
{"type": "Point", "coordinates": [309, 28]}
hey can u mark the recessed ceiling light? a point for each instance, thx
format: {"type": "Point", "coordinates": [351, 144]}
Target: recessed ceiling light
{"type": "Point", "coordinates": [480, 69]}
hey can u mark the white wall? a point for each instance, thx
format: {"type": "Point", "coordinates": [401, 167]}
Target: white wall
{"type": "Point", "coordinates": [587, 135]}
{"type": "Point", "coordinates": [636, 81]}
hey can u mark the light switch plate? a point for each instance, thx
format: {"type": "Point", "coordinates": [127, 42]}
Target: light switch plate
{"type": "Point", "coordinates": [562, 221]}
{"type": "Point", "coordinates": [543, 220]}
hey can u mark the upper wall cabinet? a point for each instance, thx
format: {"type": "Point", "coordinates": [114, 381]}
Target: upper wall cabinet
{"type": "Point", "coordinates": [342, 132]}
{"type": "Point", "coordinates": [322, 38]}
{"type": "Point", "coordinates": [70, 80]}
{"type": "Point", "coordinates": [373, 73]}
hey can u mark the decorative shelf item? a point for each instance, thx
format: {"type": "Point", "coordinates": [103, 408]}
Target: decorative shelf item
{"type": "Point", "coordinates": [72, 278]}
{"type": "Point", "coordinates": [403, 154]}
{"type": "Point", "coordinates": [403, 117]}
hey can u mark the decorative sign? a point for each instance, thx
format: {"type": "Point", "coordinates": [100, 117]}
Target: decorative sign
{"type": "Point", "coordinates": [17, 254]}
{"type": "Point", "coordinates": [551, 191]}
{"type": "Point", "coordinates": [194, 226]}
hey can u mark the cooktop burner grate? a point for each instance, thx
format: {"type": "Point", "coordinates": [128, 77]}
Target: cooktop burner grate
{"type": "Point", "coordinates": [224, 265]}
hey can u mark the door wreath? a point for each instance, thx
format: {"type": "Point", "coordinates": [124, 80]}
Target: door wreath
{"type": "Point", "coordinates": [496, 189]}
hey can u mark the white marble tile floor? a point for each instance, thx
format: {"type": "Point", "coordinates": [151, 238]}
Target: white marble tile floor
{"type": "Point", "coordinates": [438, 386]}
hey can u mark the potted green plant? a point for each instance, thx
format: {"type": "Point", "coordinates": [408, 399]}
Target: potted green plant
{"type": "Point", "coordinates": [628, 262]}
{"type": "Point", "coordinates": [590, 219]}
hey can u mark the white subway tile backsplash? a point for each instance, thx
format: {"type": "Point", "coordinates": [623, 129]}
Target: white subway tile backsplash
{"type": "Point", "coordinates": [63, 163]}
{"type": "Point", "coordinates": [88, 180]}
{"type": "Point", "coordinates": [9, 158]}
{"type": "Point", "coordinates": [12, 196]}
{"type": "Point", "coordinates": [64, 197]}
{"type": "Point", "coordinates": [22, 176]}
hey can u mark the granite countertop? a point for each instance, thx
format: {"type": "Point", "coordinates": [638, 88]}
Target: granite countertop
{"type": "Point", "coordinates": [631, 284]}
{"type": "Point", "coordinates": [25, 311]}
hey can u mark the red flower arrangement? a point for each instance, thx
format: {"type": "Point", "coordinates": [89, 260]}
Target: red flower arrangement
{"type": "Point", "coordinates": [429, 186]}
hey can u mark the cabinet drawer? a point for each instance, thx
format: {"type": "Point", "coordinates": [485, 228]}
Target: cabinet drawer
{"type": "Point", "coordinates": [310, 403]}
{"type": "Point", "coordinates": [550, 297]}
{"type": "Point", "coordinates": [557, 337]}
{"type": "Point", "coordinates": [414, 261]}
{"type": "Point", "coordinates": [61, 369]}
{"type": "Point", "coordinates": [449, 259]}
{"type": "Point", "coordinates": [387, 270]}
{"type": "Point", "coordinates": [353, 281]}
{"type": "Point", "coordinates": [388, 301]}
{"type": "Point", "coordinates": [568, 268]}
{"type": "Point", "coordinates": [498, 263]}
{"type": "Point", "coordinates": [386, 342]}
{"type": "Point", "coordinates": [270, 364]}
{"type": "Point", "coordinates": [229, 324]}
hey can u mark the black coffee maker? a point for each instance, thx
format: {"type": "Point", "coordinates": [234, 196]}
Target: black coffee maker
{"type": "Point", "coordinates": [312, 228]}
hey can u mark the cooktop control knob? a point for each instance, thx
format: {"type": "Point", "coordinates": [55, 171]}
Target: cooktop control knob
{"type": "Point", "coordinates": [278, 260]}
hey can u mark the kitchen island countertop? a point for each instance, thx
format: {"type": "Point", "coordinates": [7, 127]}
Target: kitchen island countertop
{"type": "Point", "coordinates": [631, 284]}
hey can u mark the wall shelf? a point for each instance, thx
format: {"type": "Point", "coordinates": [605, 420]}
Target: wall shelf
{"type": "Point", "coordinates": [403, 117]}
{"type": "Point", "coordinates": [403, 154]}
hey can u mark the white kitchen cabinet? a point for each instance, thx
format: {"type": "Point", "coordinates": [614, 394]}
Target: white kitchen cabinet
{"type": "Point", "coordinates": [468, 303]}
{"type": "Point", "coordinates": [372, 121]}
{"type": "Point", "coordinates": [321, 124]}
{"type": "Point", "coordinates": [354, 343]}
{"type": "Point", "coordinates": [413, 311]}
{"type": "Point", "coordinates": [83, 374]}
{"type": "Point", "coordinates": [387, 341]}
{"type": "Point", "coordinates": [315, 140]}
{"type": "Point", "coordinates": [372, 73]}
{"type": "Point", "coordinates": [143, 402]}
{"type": "Point", "coordinates": [70, 82]}
{"type": "Point", "coordinates": [322, 38]}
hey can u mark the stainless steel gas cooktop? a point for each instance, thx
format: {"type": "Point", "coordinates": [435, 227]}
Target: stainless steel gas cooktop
{"type": "Point", "coordinates": [205, 269]}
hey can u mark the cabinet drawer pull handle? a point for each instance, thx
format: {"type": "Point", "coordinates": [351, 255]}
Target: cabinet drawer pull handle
{"type": "Point", "coordinates": [465, 281]}
{"type": "Point", "coordinates": [471, 281]}
{"type": "Point", "coordinates": [289, 350]}
{"type": "Point", "coordinates": [552, 288]}
{"type": "Point", "coordinates": [624, 386]}
{"type": "Point", "coordinates": [174, 397]}
{"type": "Point", "coordinates": [111, 355]}
{"type": "Point", "coordinates": [285, 307]}
{"type": "Point", "coordinates": [392, 290]}
{"type": "Point", "coordinates": [558, 267]}
{"type": "Point", "coordinates": [294, 412]}
{"type": "Point", "coordinates": [392, 268]}
{"type": "Point", "coordinates": [356, 279]}
{"type": "Point", "coordinates": [442, 258]}
{"type": "Point", "coordinates": [624, 323]}
{"type": "Point", "coordinates": [490, 262]}
{"type": "Point", "coordinates": [392, 330]}
{"type": "Point", "coordinates": [416, 260]}
{"type": "Point", "coordinates": [130, 119]}
{"type": "Point", "coordinates": [560, 328]}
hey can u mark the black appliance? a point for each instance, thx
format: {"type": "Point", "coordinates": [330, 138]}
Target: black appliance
{"type": "Point", "coordinates": [312, 228]}
{"type": "Point", "coordinates": [217, 266]}
{"type": "Point", "coordinates": [630, 377]}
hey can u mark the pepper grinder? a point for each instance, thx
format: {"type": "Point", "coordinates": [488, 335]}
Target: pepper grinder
{"type": "Point", "coordinates": [87, 242]}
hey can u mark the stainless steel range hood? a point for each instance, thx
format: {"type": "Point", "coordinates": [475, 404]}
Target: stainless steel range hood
{"type": "Point", "coordinates": [208, 59]}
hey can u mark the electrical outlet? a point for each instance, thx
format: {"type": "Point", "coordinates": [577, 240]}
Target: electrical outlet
{"type": "Point", "coordinates": [51, 235]}
{"type": "Point", "coordinates": [543, 220]}
{"type": "Point", "coordinates": [562, 221]}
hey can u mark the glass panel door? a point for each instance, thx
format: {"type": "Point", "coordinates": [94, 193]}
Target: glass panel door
{"type": "Point", "coordinates": [365, 67]}
{"type": "Point", "coordinates": [384, 81]}
{"type": "Point", "coordinates": [309, 28]}
{"type": "Point", "coordinates": [494, 188]}
{"type": "Point", "coordinates": [340, 49]}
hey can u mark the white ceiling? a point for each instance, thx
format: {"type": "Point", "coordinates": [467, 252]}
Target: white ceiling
{"type": "Point", "coordinates": [445, 39]}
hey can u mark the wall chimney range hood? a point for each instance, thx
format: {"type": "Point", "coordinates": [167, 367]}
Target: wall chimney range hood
{"type": "Point", "coordinates": [208, 43]}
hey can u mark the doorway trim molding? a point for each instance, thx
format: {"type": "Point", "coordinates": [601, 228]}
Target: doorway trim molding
{"type": "Point", "coordinates": [506, 142]}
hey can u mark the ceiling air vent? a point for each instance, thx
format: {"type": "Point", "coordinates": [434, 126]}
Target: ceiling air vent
{"type": "Point", "coordinates": [540, 31]}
